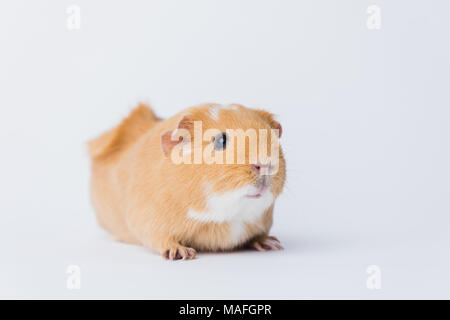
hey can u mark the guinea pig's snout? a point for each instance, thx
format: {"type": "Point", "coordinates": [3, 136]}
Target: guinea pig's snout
{"type": "Point", "coordinates": [262, 169]}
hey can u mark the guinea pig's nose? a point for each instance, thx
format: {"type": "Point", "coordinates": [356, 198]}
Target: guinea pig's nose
{"type": "Point", "coordinates": [262, 169]}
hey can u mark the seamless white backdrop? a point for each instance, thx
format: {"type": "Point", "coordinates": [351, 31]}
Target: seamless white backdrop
{"type": "Point", "coordinates": [365, 117]}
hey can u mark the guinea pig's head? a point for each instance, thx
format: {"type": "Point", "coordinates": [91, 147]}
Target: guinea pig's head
{"type": "Point", "coordinates": [229, 148]}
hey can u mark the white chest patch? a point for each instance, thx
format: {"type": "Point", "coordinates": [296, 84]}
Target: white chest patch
{"type": "Point", "coordinates": [234, 208]}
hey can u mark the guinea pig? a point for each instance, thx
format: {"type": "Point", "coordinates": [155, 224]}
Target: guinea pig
{"type": "Point", "coordinates": [185, 184]}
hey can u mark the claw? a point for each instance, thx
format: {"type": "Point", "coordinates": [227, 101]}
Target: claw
{"type": "Point", "coordinates": [179, 253]}
{"type": "Point", "coordinates": [269, 243]}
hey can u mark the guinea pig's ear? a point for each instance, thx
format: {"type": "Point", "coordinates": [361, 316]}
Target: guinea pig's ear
{"type": "Point", "coordinates": [269, 118]}
{"type": "Point", "coordinates": [181, 134]}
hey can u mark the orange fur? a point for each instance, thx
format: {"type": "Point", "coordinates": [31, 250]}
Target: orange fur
{"type": "Point", "coordinates": [138, 122]}
{"type": "Point", "coordinates": [141, 197]}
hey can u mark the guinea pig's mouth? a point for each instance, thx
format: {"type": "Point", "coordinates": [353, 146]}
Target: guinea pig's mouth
{"type": "Point", "coordinates": [259, 189]}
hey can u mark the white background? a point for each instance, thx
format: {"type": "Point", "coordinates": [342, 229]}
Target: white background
{"type": "Point", "coordinates": [365, 115]}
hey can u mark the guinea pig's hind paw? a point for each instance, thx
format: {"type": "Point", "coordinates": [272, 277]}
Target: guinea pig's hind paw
{"type": "Point", "coordinates": [267, 243]}
{"type": "Point", "coordinates": [179, 253]}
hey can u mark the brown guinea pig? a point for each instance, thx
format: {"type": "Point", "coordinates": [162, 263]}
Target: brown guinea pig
{"type": "Point", "coordinates": [189, 182]}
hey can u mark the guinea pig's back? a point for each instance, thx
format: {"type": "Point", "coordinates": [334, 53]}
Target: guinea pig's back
{"type": "Point", "coordinates": [107, 179]}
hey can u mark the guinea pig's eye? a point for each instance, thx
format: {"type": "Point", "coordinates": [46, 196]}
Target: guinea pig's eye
{"type": "Point", "coordinates": [220, 141]}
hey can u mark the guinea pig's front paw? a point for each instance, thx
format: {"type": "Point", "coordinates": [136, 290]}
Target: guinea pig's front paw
{"type": "Point", "coordinates": [266, 243]}
{"type": "Point", "coordinates": [179, 252]}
